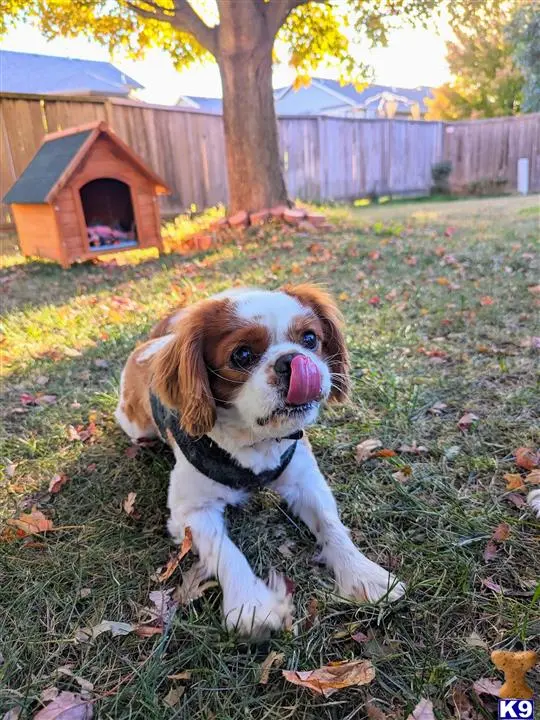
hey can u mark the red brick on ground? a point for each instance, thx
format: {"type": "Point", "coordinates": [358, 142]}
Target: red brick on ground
{"type": "Point", "coordinates": [278, 211]}
{"type": "Point", "coordinates": [219, 224]}
{"type": "Point", "coordinates": [241, 219]}
{"type": "Point", "coordinates": [294, 215]}
{"type": "Point", "coordinates": [316, 219]}
{"type": "Point", "coordinates": [258, 218]}
{"type": "Point", "coordinates": [306, 226]}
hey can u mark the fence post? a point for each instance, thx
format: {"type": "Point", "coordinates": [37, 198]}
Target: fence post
{"type": "Point", "coordinates": [322, 193]}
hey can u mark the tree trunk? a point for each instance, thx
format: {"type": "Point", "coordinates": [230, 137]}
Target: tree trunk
{"type": "Point", "coordinates": [251, 134]}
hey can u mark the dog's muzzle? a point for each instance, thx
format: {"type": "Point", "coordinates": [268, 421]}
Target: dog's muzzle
{"type": "Point", "coordinates": [300, 377]}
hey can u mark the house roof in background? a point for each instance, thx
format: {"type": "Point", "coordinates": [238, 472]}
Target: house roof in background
{"type": "Point", "coordinates": [50, 74]}
{"type": "Point", "coordinates": [323, 95]}
{"type": "Point", "coordinates": [207, 104]}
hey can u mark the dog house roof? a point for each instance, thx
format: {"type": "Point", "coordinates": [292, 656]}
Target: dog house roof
{"type": "Point", "coordinates": [57, 159]}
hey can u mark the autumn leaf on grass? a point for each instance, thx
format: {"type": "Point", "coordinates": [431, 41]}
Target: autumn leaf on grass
{"type": "Point", "coordinates": [533, 478]}
{"type": "Point", "coordinates": [82, 433]}
{"type": "Point", "coordinates": [527, 458]}
{"type": "Point", "coordinates": [514, 481]}
{"type": "Point", "coordinates": [172, 698]}
{"type": "Point", "coordinates": [467, 421]}
{"type": "Point", "coordinates": [115, 628]}
{"type": "Point", "coordinates": [384, 453]}
{"type": "Point", "coordinates": [32, 523]}
{"type": "Point", "coordinates": [403, 474]}
{"type": "Point", "coordinates": [501, 532]}
{"type": "Point", "coordinates": [487, 686]}
{"type": "Point", "coordinates": [274, 658]}
{"type": "Point", "coordinates": [129, 505]}
{"type": "Point", "coordinates": [58, 482]}
{"type": "Point", "coordinates": [66, 706]}
{"type": "Point", "coordinates": [413, 449]}
{"type": "Point", "coordinates": [437, 408]}
{"type": "Point", "coordinates": [194, 585]}
{"type": "Point", "coordinates": [328, 679]}
{"type": "Point", "coordinates": [173, 562]}
{"type": "Point", "coordinates": [365, 449]}
{"type": "Point", "coordinates": [486, 300]}
{"type": "Point", "coordinates": [159, 614]}
{"type": "Point", "coordinates": [490, 551]}
{"type": "Point", "coordinates": [423, 711]}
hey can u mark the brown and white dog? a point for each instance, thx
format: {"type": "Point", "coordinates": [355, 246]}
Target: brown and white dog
{"type": "Point", "coordinates": [230, 383]}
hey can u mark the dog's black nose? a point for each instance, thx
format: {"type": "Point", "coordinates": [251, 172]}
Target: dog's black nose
{"type": "Point", "coordinates": [282, 366]}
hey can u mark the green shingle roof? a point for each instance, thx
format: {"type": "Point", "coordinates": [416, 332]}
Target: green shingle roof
{"type": "Point", "coordinates": [46, 168]}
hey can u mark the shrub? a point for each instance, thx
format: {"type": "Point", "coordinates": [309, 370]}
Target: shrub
{"type": "Point", "coordinates": [440, 174]}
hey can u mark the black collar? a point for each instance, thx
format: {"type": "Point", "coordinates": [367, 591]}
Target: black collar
{"type": "Point", "coordinates": [210, 459]}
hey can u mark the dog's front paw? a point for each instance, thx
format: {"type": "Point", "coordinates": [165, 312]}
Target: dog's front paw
{"type": "Point", "coordinates": [258, 609]}
{"type": "Point", "coordinates": [361, 579]}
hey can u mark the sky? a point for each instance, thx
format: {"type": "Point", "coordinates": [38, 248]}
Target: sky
{"type": "Point", "coordinates": [413, 57]}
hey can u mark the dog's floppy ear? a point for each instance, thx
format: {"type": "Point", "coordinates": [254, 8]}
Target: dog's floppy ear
{"type": "Point", "coordinates": [334, 348]}
{"type": "Point", "coordinates": [180, 377]}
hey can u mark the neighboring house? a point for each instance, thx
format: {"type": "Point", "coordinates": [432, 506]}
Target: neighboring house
{"type": "Point", "coordinates": [205, 104]}
{"type": "Point", "coordinates": [52, 75]}
{"type": "Point", "coordinates": [328, 97]}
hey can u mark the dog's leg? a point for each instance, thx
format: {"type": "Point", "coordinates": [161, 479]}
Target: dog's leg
{"type": "Point", "coordinates": [305, 490]}
{"type": "Point", "coordinates": [250, 606]}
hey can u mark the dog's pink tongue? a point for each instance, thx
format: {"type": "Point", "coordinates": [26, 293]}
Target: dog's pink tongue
{"type": "Point", "coordinates": [305, 382]}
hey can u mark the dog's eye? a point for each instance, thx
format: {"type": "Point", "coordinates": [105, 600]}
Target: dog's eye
{"type": "Point", "coordinates": [242, 357]}
{"type": "Point", "coordinates": [309, 340]}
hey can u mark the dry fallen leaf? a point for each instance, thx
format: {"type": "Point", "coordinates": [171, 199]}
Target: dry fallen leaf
{"type": "Point", "coordinates": [274, 658]}
{"type": "Point", "coordinates": [474, 640]}
{"type": "Point", "coordinates": [115, 628]}
{"type": "Point", "coordinates": [514, 481]}
{"type": "Point", "coordinates": [193, 585]}
{"type": "Point", "coordinates": [413, 449]}
{"type": "Point", "coordinates": [501, 532]}
{"type": "Point", "coordinates": [487, 686]}
{"type": "Point", "coordinates": [490, 551]}
{"type": "Point", "coordinates": [465, 710]}
{"type": "Point", "coordinates": [467, 421]}
{"type": "Point", "coordinates": [527, 458]}
{"type": "Point", "coordinates": [534, 289]}
{"type": "Point", "coordinates": [360, 637]}
{"type": "Point", "coordinates": [365, 449]}
{"type": "Point", "coordinates": [312, 613]}
{"type": "Point", "coordinates": [486, 300]}
{"type": "Point", "coordinates": [32, 523]}
{"type": "Point", "coordinates": [172, 698]}
{"type": "Point", "coordinates": [403, 474]}
{"type": "Point", "coordinates": [58, 482]}
{"type": "Point", "coordinates": [67, 706]}
{"type": "Point", "coordinates": [384, 453]}
{"type": "Point", "coordinates": [373, 712]}
{"type": "Point", "coordinates": [491, 585]}
{"type": "Point", "coordinates": [145, 631]}
{"type": "Point", "coordinates": [173, 561]}
{"type": "Point", "coordinates": [437, 408]}
{"type": "Point", "coordinates": [328, 679]}
{"type": "Point", "coordinates": [132, 451]}
{"type": "Point", "coordinates": [83, 684]}
{"type": "Point", "coordinates": [186, 675]}
{"type": "Point", "coordinates": [129, 503]}
{"type": "Point", "coordinates": [533, 478]}
{"type": "Point", "coordinates": [423, 711]}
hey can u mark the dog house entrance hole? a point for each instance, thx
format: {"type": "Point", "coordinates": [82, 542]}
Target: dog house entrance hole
{"type": "Point", "coordinates": [108, 213]}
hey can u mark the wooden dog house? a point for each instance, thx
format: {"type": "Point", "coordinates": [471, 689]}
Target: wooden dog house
{"type": "Point", "coordinates": [84, 193]}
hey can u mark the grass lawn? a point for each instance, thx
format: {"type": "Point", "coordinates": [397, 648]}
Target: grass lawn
{"type": "Point", "coordinates": [438, 311]}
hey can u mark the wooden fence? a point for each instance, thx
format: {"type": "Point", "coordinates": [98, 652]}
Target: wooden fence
{"type": "Point", "coordinates": [324, 158]}
{"type": "Point", "coordinates": [490, 150]}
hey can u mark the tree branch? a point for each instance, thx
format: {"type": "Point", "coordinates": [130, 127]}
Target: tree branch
{"type": "Point", "coordinates": [277, 11]}
{"type": "Point", "coordinates": [183, 18]}
{"type": "Point", "coordinates": [187, 19]}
